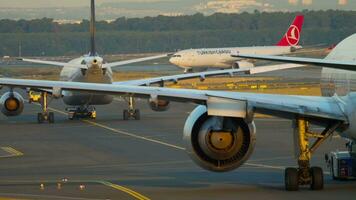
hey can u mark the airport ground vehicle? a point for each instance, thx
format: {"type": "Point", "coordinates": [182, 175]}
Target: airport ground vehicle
{"type": "Point", "coordinates": [34, 97]}
{"type": "Point", "coordinates": [81, 112]}
{"type": "Point", "coordinates": [342, 164]}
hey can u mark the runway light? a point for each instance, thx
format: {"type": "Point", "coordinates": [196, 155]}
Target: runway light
{"type": "Point", "coordinates": [42, 186]}
{"type": "Point", "coordinates": [82, 187]}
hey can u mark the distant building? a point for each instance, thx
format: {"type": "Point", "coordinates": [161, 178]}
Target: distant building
{"type": "Point", "coordinates": [67, 21]}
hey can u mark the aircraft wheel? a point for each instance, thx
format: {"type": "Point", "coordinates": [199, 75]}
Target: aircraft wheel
{"type": "Point", "coordinates": [51, 118]}
{"type": "Point", "coordinates": [137, 115]}
{"type": "Point", "coordinates": [317, 176]}
{"type": "Point", "coordinates": [126, 115]}
{"type": "Point", "coordinates": [40, 118]}
{"type": "Point", "coordinates": [291, 179]}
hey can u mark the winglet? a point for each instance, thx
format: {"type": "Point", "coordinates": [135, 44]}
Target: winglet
{"type": "Point", "coordinates": [292, 36]}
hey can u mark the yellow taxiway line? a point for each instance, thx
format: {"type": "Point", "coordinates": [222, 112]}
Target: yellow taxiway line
{"type": "Point", "coordinates": [13, 152]}
{"type": "Point", "coordinates": [124, 132]}
{"type": "Point", "coordinates": [133, 135]}
{"type": "Point", "coordinates": [126, 190]}
{"type": "Point", "coordinates": [116, 131]}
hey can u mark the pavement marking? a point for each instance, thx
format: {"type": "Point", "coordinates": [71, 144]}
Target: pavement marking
{"type": "Point", "coordinates": [266, 166]}
{"type": "Point", "coordinates": [124, 132]}
{"type": "Point", "coordinates": [164, 143]}
{"type": "Point", "coordinates": [33, 196]}
{"type": "Point", "coordinates": [137, 195]}
{"type": "Point", "coordinates": [13, 152]}
{"type": "Point", "coordinates": [133, 135]}
{"type": "Point", "coordinates": [140, 164]}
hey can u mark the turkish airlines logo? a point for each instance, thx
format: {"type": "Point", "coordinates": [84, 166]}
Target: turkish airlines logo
{"type": "Point", "coordinates": [293, 35]}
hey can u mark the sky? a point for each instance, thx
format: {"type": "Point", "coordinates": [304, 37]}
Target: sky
{"type": "Point", "coordinates": [138, 8]}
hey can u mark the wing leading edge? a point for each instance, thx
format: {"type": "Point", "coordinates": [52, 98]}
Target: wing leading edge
{"type": "Point", "coordinates": [317, 107]}
{"type": "Point", "coordinates": [203, 75]}
{"type": "Point", "coordinates": [345, 65]}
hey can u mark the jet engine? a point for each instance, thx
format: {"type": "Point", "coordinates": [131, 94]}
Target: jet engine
{"type": "Point", "coordinates": [158, 104]}
{"type": "Point", "coordinates": [242, 65]}
{"type": "Point", "coordinates": [12, 104]}
{"type": "Point", "coordinates": [218, 143]}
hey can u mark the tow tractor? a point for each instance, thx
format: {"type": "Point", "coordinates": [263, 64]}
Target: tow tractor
{"type": "Point", "coordinates": [342, 164]}
{"type": "Point", "coordinates": [34, 97]}
{"type": "Point", "coordinates": [81, 113]}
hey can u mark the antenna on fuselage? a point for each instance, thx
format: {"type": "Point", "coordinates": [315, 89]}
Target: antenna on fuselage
{"type": "Point", "coordinates": [92, 29]}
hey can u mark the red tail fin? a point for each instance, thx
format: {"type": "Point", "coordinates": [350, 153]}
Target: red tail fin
{"type": "Point", "coordinates": [292, 36]}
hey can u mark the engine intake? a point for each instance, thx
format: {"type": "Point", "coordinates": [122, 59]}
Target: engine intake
{"type": "Point", "coordinates": [242, 65]}
{"type": "Point", "coordinates": [218, 143]}
{"type": "Point", "coordinates": [12, 104]}
{"type": "Point", "coordinates": [158, 105]}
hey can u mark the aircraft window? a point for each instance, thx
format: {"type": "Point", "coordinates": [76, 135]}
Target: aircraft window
{"type": "Point", "coordinates": [177, 56]}
{"type": "Point", "coordinates": [83, 62]}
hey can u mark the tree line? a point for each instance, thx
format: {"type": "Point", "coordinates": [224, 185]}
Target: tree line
{"type": "Point", "coordinates": [166, 34]}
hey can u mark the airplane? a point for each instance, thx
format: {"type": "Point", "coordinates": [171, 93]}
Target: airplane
{"type": "Point", "coordinates": [92, 68]}
{"type": "Point", "coordinates": [220, 57]}
{"type": "Point", "coordinates": [220, 133]}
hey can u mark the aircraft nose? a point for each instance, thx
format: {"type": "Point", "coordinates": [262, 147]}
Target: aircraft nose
{"type": "Point", "coordinates": [173, 61]}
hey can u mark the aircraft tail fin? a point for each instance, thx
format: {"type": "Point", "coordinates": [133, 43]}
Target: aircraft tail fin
{"type": "Point", "coordinates": [292, 36]}
{"type": "Point", "coordinates": [92, 29]}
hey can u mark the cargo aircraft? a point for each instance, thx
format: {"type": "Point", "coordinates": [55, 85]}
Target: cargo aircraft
{"type": "Point", "coordinates": [198, 59]}
{"type": "Point", "coordinates": [92, 68]}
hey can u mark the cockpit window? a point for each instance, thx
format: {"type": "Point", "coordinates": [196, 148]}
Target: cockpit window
{"type": "Point", "coordinates": [83, 62]}
{"type": "Point", "coordinates": [176, 56]}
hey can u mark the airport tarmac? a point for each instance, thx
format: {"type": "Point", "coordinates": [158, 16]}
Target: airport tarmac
{"type": "Point", "coordinates": [114, 159]}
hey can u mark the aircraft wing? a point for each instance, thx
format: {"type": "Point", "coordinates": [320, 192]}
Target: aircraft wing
{"type": "Point", "coordinates": [345, 65]}
{"type": "Point", "coordinates": [54, 63]}
{"type": "Point", "coordinates": [317, 107]}
{"type": "Point", "coordinates": [126, 62]}
{"type": "Point", "coordinates": [203, 75]}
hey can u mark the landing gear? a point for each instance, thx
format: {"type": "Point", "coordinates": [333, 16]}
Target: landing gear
{"type": "Point", "coordinates": [304, 174]}
{"type": "Point", "coordinates": [131, 112]}
{"type": "Point", "coordinates": [45, 115]}
{"type": "Point", "coordinates": [81, 112]}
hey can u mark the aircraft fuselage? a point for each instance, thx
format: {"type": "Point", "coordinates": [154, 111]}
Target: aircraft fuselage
{"type": "Point", "coordinates": [94, 74]}
{"type": "Point", "coordinates": [221, 57]}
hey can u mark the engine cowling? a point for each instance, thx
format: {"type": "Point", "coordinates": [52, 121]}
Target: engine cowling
{"type": "Point", "coordinates": [12, 104]}
{"type": "Point", "coordinates": [218, 144]}
{"type": "Point", "coordinates": [158, 105]}
{"type": "Point", "coordinates": [242, 65]}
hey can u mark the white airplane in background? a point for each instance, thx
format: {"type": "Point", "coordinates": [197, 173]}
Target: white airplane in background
{"type": "Point", "coordinates": [92, 68]}
{"type": "Point", "coordinates": [221, 57]}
